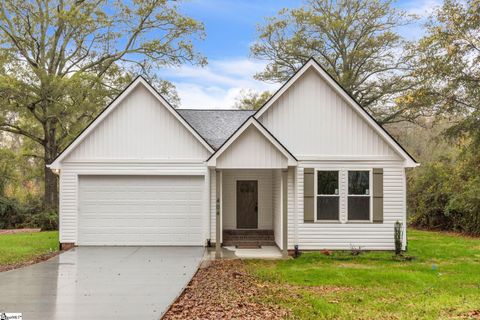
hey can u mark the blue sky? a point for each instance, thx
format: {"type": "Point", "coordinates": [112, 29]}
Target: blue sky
{"type": "Point", "coordinates": [230, 27]}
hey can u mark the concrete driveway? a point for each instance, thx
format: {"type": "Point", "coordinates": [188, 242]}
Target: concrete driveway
{"type": "Point", "coordinates": [100, 283]}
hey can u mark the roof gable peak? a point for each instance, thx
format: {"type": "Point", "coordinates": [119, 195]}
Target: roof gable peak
{"type": "Point", "coordinates": [313, 64]}
{"type": "Point", "coordinates": [249, 123]}
{"type": "Point", "coordinates": [139, 80]}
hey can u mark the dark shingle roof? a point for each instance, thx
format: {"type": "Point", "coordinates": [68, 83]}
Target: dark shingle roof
{"type": "Point", "coordinates": [215, 126]}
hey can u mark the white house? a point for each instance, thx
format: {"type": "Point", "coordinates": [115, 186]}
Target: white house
{"type": "Point", "coordinates": [310, 169]}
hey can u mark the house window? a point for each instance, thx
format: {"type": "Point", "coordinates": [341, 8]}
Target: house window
{"type": "Point", "coordinates": [359, 195]}
{"type": "Point", "coordinates": [327, 197]}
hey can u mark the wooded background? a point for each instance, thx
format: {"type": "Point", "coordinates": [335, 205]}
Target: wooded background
{"type": "Point", "coordinates": [62, 61]}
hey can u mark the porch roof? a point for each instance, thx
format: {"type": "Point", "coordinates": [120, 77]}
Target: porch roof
{"type": "Point", "coordinates": [252, 146]}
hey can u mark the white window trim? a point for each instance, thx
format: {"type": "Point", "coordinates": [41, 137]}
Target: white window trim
{"type": "Point", "coordinates": [315, 191]}
{"type": "Point", "coordinates": [370, 195]}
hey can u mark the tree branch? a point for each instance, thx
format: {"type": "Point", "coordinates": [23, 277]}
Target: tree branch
{"type": "Point", "coordinates": [18, 130]}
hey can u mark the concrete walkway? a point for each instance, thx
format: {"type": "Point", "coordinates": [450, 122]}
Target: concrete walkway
{"type": "Point", "coordinates": [231, 252]}
{"type": "Point", "coordinates": [100, 283]}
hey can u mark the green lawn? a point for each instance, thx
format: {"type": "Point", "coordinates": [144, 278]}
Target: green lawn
{"type": "Point", "coordinates": [442, 282]}
{"type": "Point", "coordinates": [22, 247]}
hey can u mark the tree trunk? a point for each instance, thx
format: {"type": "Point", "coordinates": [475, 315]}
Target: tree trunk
{"type": "Point", "coordinates": [50, 199]}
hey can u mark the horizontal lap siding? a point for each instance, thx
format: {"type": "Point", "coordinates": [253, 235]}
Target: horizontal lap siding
{"type": "Point", "coordinates": [344, 236]}
{"type": "Point", "coordinates": [68, 206]}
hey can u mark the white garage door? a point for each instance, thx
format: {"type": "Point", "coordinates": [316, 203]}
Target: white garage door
{"type": "Point", "coordinates": [141, 210]}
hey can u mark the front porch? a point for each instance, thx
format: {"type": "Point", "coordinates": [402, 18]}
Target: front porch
{"type": "Point", "coordinates": [251, 211]}
{"type": "Point", "coordinates": [251, 189]}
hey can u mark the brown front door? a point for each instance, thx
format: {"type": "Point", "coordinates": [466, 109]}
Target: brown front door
{"type": "Point", "coordinates": [247, 204]}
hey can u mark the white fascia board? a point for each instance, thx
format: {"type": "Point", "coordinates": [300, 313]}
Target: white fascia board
{"type": "Point", "coordinates": [409, 162]}
{"type": "Point", "coordinates": [149, 172]}
{"type": "Point", "coordinates": [112, 106]}
{"type": "Point", "coordinates": [291, 161]}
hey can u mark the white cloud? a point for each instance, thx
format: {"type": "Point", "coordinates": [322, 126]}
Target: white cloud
{"type": "Point", "coordinates": [216, 85]}
{"type": "Point", "coordinates": [423, 8]}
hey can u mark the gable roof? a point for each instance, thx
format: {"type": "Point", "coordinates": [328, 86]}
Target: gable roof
{"type": "Point", "coordinates": [251, 121]}
{"type": "Point", "coordinates": [312, 63]}
{"type": "Point", "coordinates": [215, 126]}
{"type": "Point", "coordinates": [112, 106]}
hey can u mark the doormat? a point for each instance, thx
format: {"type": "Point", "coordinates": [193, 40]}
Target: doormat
{"type": "Point", "coordinates": [248, 246]}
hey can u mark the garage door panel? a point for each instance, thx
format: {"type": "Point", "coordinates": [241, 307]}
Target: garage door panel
{"type": "Point", "coordinates": [166, 230]}
{"type": "Point", "coordinates": [134, 240]}
{"type": "Point", "coordinates": [154, 196]}
{"type": "Point", "coordinates": [141, 210]}
{"type": "Point", "coordinates": [99, 224]}
{"type": "Point", "coordinates": [132, 208]}
{"type": "Point", "coordinates": [153, 236]}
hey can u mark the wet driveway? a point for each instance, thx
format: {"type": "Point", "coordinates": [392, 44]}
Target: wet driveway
{"type": "Point", "coordinates": [100, 283]}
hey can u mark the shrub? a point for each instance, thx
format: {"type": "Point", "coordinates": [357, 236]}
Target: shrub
{"type": "Point", "coordinates": [445, 194]}
{"type": "Point", "coordinates": [47, 220]}
{"type": "Point", "coordinates": [398, 237]}
{"type": "Point", "coordinates": [11, 215]}
{"type": "Point", "coordinates": [429, 195]}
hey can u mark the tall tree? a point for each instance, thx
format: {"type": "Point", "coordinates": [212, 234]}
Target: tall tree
{"type": "Point", "coordinates": [356, 41]}
{"type": "Point", "coordinates": [61, 60]}
{"type": "Point", "coordinates": [447, 67]}
{"type": "Point", "coordinates": [251, 99]}
{"type": "Point", "coordinates": [445, 193]}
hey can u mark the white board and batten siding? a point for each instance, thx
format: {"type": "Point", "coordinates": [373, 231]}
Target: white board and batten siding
{"type": "Point", "coordinates": [251, 150]}
{"type": "Point", "coordinates": [314, 122]}
{"type": "Point", "coordinates": [138, 143]}
{"type": "Point", "coordinates": [139, 129]}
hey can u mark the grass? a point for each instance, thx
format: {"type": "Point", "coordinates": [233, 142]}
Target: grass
{"type": "Point", "coordinates": [23, 247]}
{"type": "Point", "coordinates": [442, 282]}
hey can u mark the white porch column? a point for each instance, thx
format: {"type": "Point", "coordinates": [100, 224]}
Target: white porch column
{"type": "Point", "coordinates": [219, 212]}
{"type": "Point", "coordinates": [296, 214]}
{"type": "Point", "coordinates": [284, 206]}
